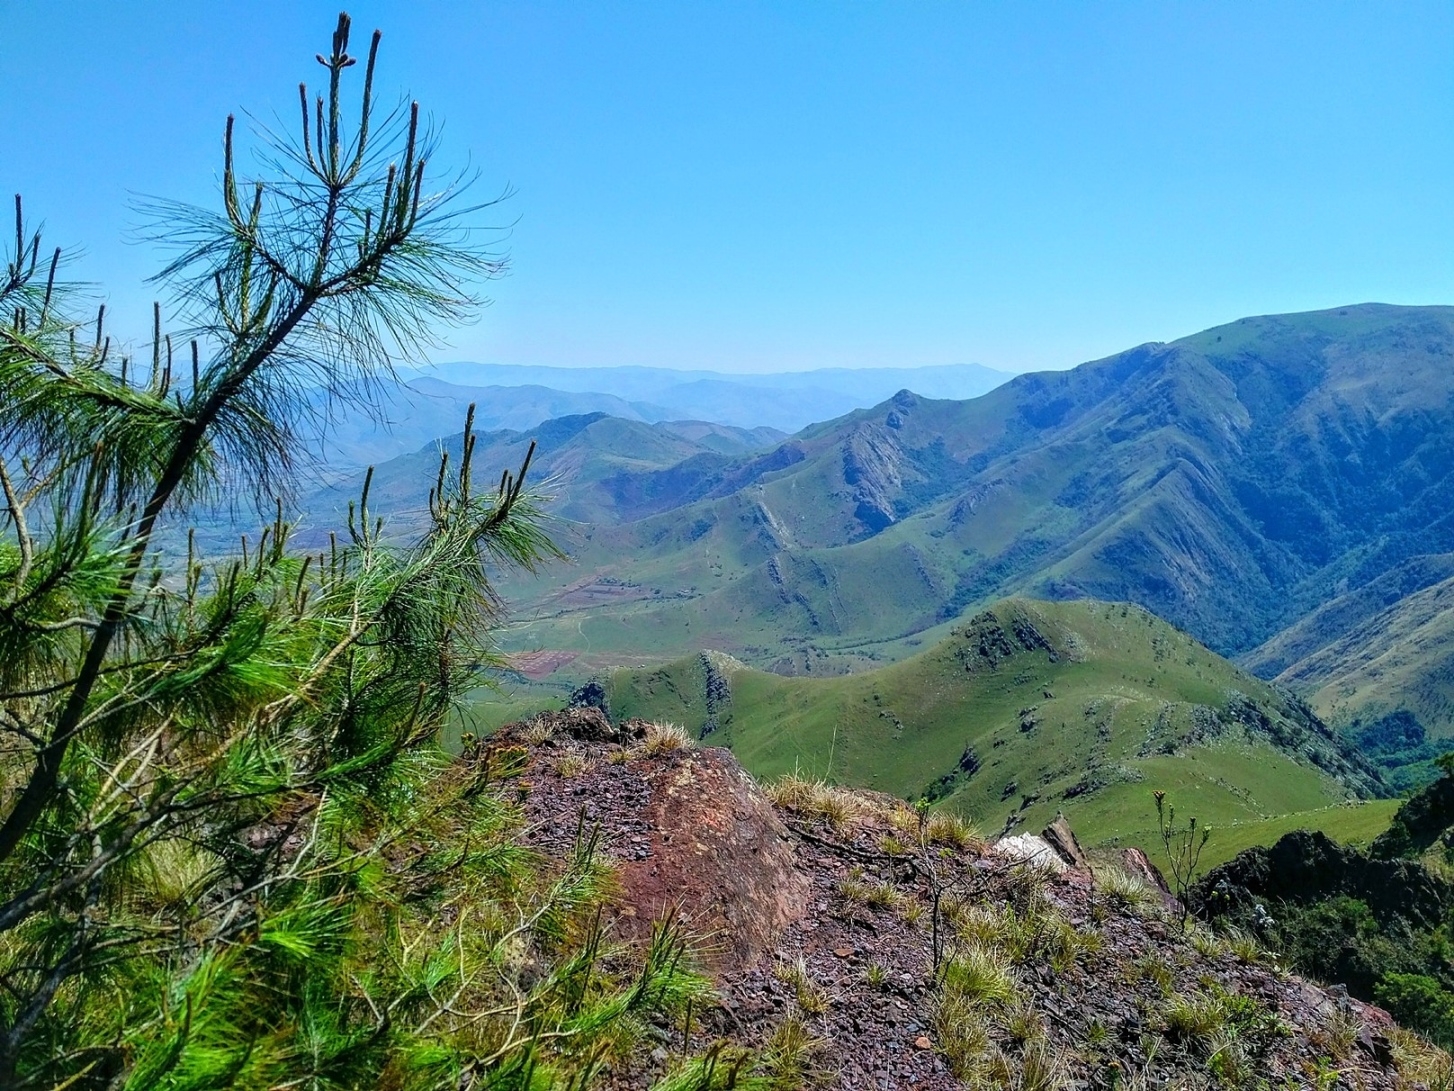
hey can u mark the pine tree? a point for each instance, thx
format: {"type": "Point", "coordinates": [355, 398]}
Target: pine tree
{"type": "Point", "coordinates": [231, 851]}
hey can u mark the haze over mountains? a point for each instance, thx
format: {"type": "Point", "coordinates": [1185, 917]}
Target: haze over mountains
{"type": "Point", "coordinates": [425, 406]}
{"type": "Point", "coordinates": [1274, 486]}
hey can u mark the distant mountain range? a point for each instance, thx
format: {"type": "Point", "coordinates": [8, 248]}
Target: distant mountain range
{"type": "Point", "coordinates": [422, 407]}
{"type": "Point", "coordinates": [788, 400]}
{"type": "Point", "coordinates": [1279, 487]}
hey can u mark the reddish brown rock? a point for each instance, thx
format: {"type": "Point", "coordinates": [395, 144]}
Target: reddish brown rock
{"type": "Point", "coordinates": [719, 855]}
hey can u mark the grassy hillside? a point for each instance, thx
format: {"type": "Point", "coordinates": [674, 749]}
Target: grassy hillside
{"type": "Point", "coordinates": [1027, 709]}
{"type": "Point", "coordinates": [1233, 482]}
{"type": "Point", "coordinates": [1352, 824]}
{"type": "Point", "coordinates": [1377, 658]}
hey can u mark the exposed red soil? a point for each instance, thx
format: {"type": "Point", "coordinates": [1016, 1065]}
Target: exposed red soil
{"type": "Point", "coordinates": [538, 665]}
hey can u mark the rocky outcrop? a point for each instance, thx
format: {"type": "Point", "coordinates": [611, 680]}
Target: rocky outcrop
{"type": "Point", "coordinates": [837, 909]}
{"type": "Point", "coordinates": [1062, 839]}
{"type": "Point", "coordinates": [873, 466]}
{"type": "Point", "coordinates": [1427, 817]}
{"type": "Point", "coordinates": [1306, 866]}
{"type": "Point", "coordinates": [991, 637]}
{"type": "Point", "coordinates": [691, 831]}
{"type": "Point", "coordinates": [718, 854]}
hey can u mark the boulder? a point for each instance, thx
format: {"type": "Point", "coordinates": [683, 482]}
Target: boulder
{"type": "Point", "coordinates": [1030, 849]}
{"type": "Point", "coordinates": [720, 858]}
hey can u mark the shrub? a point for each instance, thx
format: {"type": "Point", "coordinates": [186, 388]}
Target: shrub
{"type": "Point", "coordinates": [1420, 1003]}
{"type": "Point", "coordinates": [1183, 844]}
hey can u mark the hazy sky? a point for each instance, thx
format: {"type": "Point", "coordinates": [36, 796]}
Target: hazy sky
{"type": "Point", "coordinates": [754, 186]}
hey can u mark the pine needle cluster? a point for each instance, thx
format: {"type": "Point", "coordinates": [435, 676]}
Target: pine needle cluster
{"type": "Point", "coordinates": [231, 851]}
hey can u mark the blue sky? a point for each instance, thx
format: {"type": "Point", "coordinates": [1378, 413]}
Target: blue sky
{"type": "Point", "coordinates": [760, 186]}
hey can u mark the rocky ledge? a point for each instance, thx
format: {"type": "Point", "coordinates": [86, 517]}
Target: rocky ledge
{"type": "Point", "coordinates": [877, 947]}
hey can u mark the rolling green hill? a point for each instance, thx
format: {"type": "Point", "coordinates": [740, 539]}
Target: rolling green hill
{"type": "Point", "coordinates": [1024, 710]}
{"type": "Point", "coordinates": [1233, 482]}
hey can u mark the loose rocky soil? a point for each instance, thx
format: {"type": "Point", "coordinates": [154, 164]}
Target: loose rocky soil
{"type": "Point", "coordinates": [832, 925]}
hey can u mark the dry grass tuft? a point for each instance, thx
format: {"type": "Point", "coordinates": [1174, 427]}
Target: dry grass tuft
{"type": "Point", "coordinates": [789, 1059]}
{"type": "Point", "coordinates": [1196, 1019]}
{"type": "Point", "coordinates": [812, 998]}
{"type": "Point", "coordinates": [1128, 891]}
{"type": "Point", "coordinates": [665, 739]}
{"type": "Point", "coordinates": [539, 732]}
{"type": "Point", "coordinates": [817, 799]}
{"type": "Point", "coordinates": [947, 828]}
{"type": "Point", "coordinates": [905, 820]}
{"type": "Point", "coordinates": [1420, 1063]}
{"type": "Point", "coordinates": [572, 765]}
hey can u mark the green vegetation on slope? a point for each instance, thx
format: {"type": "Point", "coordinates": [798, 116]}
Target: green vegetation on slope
{"type": "Point", "coordinates": [1276, 486]}
{"type": "Point", "coordinates": [1024, 710]}
{"type": "Point", "coordinates": [1375, 916]}
{"type": "Point", "coordinates": [1232, 482]}
{"type": "Point", "coordinates": [1355, 824]}
{"type": "Point", "coordinates": [1378, 659]}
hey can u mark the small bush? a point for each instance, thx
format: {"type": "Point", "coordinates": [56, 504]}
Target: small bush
{"type": "Point", "coordinates": [855, 889]}
{"type": "Point", "coordinates": [1042, 1068]}
{"type": "Point", "coordinates": [1216, 1020]}
{"type": "Point", "coordinates": [1154, 969]}
{"type": "Point", "coordinates": [1420, 1003]}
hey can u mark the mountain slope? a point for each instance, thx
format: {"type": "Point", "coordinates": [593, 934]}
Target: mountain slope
{"type": "Point", "coordinates": [596, 463]}
{"type": "Point", "coordinates": [1400, 658]}
{"type": "Point", "coordinates": [1024, 710]}
{"type": "Point", "coordinates": [1231, 482]}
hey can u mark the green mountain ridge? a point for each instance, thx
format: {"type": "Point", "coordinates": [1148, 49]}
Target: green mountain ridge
{"type": "Point", "coordinates": [1280, 487]}
{"type": "Point", "coordinates": [1399, 659]}
{"type": "Point", "coordinates": [583, 458]}
{"type": "Point", "coordinates": [1231, 482]}
{"type": "Point", "coordinates": [1025, 710]}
